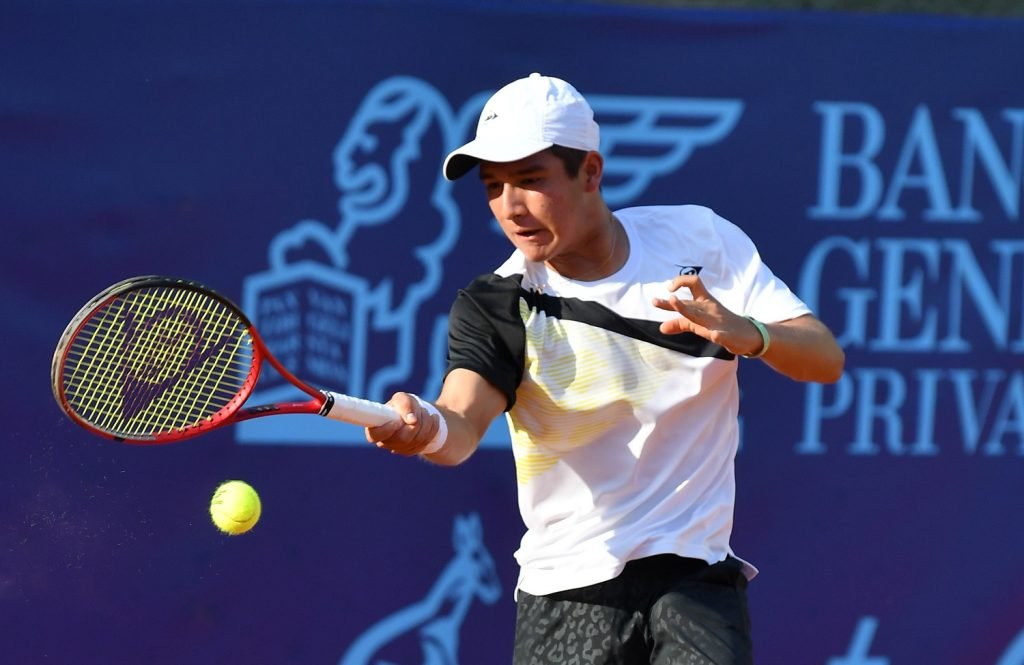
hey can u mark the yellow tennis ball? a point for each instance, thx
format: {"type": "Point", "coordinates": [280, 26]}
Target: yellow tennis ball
{"type": "Point", "coordinates": [235, 507]}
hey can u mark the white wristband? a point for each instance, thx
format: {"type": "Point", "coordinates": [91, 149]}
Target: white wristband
{"type": "Point", "coordinates": [442, 427]}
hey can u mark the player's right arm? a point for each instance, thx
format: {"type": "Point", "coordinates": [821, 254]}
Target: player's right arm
{"type": "Point", "coordinates": [468, 403]}
{"type": "Point", "coordinates": [485, 365]}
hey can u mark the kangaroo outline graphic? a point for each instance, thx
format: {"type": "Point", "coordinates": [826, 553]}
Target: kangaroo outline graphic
{"type": "Point", "coordinates": [437, 618]}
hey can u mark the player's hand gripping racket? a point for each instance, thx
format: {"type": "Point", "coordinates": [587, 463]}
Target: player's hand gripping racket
{"type": "Point", "coordinates": [157, 359]}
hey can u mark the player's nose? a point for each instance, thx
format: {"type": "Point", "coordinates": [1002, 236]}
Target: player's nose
{"type": "Point", "coordinates": [510, 202]}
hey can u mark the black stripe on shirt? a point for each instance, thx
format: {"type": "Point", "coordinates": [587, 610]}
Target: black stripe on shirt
{"type": "Point", "coordinates": [599, 316]}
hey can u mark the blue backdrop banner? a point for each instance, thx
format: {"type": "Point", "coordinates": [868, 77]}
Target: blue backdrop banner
{"type": "Point", "coordinates": [288, 155]}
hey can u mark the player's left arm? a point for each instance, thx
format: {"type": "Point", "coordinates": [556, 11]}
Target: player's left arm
{"type": "Point", "coordinates": [802, 348]}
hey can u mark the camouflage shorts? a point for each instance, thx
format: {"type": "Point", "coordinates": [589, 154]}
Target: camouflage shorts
{"type": "Point", "coordinates": [662, 610]}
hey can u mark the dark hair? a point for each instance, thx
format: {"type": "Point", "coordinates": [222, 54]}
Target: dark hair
{"type": "Point", "coordinates": [571, 158]}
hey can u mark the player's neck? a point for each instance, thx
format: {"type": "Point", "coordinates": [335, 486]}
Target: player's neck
{"type": "Point", "coordinates": [604, 253]}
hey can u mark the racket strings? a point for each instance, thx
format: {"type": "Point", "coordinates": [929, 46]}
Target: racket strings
{"type": "Point", "coordinates": [202, 384]}
{"type": "Point", "coordinates": [216, 383]}
{"type": "Point", "coordinates": [157, 360]}
{"type": "Point", "coordinates": [155, 378]}
{"type": "Point", "coordinates": [155, 384]}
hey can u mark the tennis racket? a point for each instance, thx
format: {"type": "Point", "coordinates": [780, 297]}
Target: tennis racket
{"type": "Point", "coordinates": [156, 359]}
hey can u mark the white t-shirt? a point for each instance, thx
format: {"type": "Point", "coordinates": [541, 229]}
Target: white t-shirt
{"type": "Point", "coordinates": [624, 438]}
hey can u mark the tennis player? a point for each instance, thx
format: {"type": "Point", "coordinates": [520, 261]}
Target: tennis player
{"type": "Point", "coordinates": [611, 341]}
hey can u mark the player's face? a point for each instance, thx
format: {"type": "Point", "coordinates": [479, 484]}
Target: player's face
{"type": "Point", "coordinates": [539, 206]}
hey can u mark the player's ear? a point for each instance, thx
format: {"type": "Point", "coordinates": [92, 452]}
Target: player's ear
{"type": "Point", "coordinates": [591, 171]}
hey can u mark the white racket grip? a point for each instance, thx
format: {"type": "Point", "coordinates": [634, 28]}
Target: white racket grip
{"type": "Point", "coordinates": [356, 411]}
{"type": "Point", "coordinates": [365, 413]}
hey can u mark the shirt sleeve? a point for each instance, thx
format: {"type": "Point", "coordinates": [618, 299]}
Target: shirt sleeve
{"type": "Point", "coordinates": [486, 333]}
{"type": "Point", "coordinates": [766, 297]}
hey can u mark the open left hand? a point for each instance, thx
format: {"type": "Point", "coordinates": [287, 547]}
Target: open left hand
{"type": "Point", "coordinates": [708, 318]}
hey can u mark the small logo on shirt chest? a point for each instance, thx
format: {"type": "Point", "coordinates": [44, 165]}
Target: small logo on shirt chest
{"type": "Point", "coordinates": [689, 270]}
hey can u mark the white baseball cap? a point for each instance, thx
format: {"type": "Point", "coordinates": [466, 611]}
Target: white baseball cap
{"type": "Point", "coordinates": [523, 118]}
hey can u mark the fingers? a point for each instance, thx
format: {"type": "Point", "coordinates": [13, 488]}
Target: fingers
{"type": "Point", "coordinates": [410, 433]}
{"type": "Point", "coordinates": [699, 314]}
{"type": "Point", "coordinates": [670, 304]}
{"type": "Point", "coordinates": [681, 323]}
{"type": "Point", "coordinates": [692, 282]}
{"type": "Point", "coordinates": [674, 303]}
{"type": "Point", "coordinates": [676, 326]}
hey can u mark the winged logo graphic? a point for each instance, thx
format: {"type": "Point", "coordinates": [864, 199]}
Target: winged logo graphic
{"type": "Point", "coordinates": [643, 138]}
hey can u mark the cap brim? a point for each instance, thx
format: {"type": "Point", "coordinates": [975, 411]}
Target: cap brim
{"type": "Point", "coordinates": [461, 161]}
